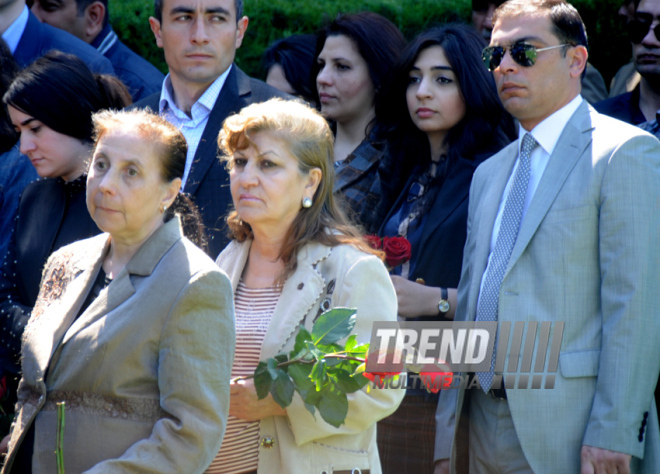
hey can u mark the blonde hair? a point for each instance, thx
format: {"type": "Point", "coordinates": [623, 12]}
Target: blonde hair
{"type": "Point", "coordinates": [309, 139]}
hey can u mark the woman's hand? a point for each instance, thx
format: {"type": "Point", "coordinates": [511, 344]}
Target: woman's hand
{"type": "Point", "coordinates": [417, 300]}
{"type": "Point", "coordinates": [244, 404]}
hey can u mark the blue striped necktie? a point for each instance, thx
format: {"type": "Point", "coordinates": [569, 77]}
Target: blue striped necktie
{"type": "Point", "coordinates": [506, 238]}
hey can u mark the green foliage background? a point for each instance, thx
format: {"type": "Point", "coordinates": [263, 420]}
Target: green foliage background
{"type": "Point", "coordinates": [274, 19]}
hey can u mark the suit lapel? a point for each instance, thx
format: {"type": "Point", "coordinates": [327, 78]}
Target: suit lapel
{"type": "Point", "coordinates": [453, 192]}
{"type": "Point", "coordinates": [300, 292]}
{"type": "Point", "coordinates": [47, 330]}
{"type": "Point", "coordinates": [142, 264]}
{"type": "Point", "coordinates": [229, 101]}
{"type": "Point", "coordinates": [484, 219]}
{"type": "Point", "coordinates": [30, 43]}
{"type": "Point", "coordinates": [570, 147]}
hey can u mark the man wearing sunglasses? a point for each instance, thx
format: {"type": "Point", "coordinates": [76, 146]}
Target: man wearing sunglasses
{"type": "Point", "coordinates": [643, 102]}
{"type": "Point", "coordinates": [563, 228]}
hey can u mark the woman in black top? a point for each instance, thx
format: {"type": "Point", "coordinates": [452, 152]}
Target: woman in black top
{"type": "Point", "coordinates": [444, 118]}
{"type": "Point", "coordinates": [50, 104]}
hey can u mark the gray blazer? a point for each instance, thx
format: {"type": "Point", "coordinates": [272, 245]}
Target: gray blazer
{"type": "Point", "coordinates": [586, 255]}
{"type": "Point", "coordinates": [144, 370]}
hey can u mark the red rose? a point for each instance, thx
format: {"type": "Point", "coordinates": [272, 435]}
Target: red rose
{"type": "Point", "coordinates": [397, 251]}
{"type": "Point", "coordinates": [372, 375]}
{"type": "Point", "coordinates": [435, 381]}
{"type": "Point", "coordinates": [374, 241]}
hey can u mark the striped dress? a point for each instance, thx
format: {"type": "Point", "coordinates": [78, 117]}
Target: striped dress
{"type": "Point", "coordinates": [254, 309]}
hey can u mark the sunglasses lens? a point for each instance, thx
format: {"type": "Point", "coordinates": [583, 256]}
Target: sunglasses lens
{"type": "Point", "coordinates": [638, 29]}
{"type": "Point", "coordinates": [524, 54]}
{"type": "Point", "coordinates": [492, 57]}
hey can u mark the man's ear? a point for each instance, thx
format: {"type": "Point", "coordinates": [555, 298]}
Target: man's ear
{"type": "Point", "coordinates": [94, 18]}
{"type": "Point", "coordinates": [155, 27]}
{"type": "Point", "coordinates": [241, 27]}
{"type": "Point", "coordinates": [578, 56]}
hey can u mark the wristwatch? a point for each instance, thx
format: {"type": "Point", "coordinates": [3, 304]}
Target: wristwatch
{"type": "Point", "coordinates": [443, 304]}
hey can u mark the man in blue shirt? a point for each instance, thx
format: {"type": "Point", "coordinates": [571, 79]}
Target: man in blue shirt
{"type": "Point", "coordinates": [29, 39]}
{"type": "Point", "coordinates": [89, 21]}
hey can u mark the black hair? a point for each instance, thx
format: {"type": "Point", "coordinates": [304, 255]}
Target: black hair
{"type": "Point", "coordinates": [486, 124]}
{"type": "Point", "coordinates": [158, 9]}
{"type": "Point", "coordinates": [297, 56]}
{"type": "Point", "coordinates": [60, 91]}
{"type": "Point", "coordinates": [482, 5]}
{"type": "Point", "coordinates": [8, 70]}
{"type": "Point", "coordinates": [566, 21]}
{"type": "Point", "coordinates": [377, 39]}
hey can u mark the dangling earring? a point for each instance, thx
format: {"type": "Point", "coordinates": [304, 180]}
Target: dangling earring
{"type": "Point", "coordinates": [307, 202]}
{"type": "Point", "coordinates": [164, 209]}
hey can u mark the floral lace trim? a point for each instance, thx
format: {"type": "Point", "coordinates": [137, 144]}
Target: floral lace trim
{"type": "Point", "coordinates": [135, 409]}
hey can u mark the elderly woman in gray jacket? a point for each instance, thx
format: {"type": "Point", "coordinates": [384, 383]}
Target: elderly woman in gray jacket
{"type": "Point", "coordinates": [133, 329]}
{"type": "Point", "coordinates": [293, 256]}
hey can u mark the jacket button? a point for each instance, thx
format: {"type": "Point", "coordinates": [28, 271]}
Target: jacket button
{"type": "Point", "coordinates": [267, 442]}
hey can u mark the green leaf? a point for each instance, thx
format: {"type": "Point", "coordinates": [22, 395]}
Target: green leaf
{"type": "Point", "coordinates": [301, 338]}
{"type": "Point", "coordinates": [311, 396]}
{"type": "Point", "coordinates": [300, 375]}
{"type": "Point", "coordinates": [318, 374]}
{"type": "Point", "coordinates": [333, 325]}
{"type": "Point", "coordinates": [311, 409]}
{"type": "Point", "coordinates": [282, 389]}
{"type": "Point", "coordinates": [262, 380]}
{"type": "Point", "coordinates": [344, 382]}
{"type": "Point", "coordinates": [351, 343]}
{"type": "Point", "coordinates": [333, 407]}
{"type": "Point", "coordinates": [271, 367]}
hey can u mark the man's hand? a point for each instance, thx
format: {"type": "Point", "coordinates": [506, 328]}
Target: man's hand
{"type": "Point", "coordinates": [441, 467]}
{"type": "Point", "coordinates": [603, 461]}
{"type": "Point", "coordinates": [245, 405]}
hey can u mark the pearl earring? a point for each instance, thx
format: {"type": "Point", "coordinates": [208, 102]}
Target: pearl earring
{"type": "Point", "coordinates": [307, 202]}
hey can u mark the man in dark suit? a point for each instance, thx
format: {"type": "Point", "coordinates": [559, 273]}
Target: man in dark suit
{"type": "Point", "coordinates": [29, 39]}
{"type": "Point", "coordinates": [641, 104]}
{"type": "Point", "coordinates": [202, 89]}
{"type": "Point", "coordinates": [89, 21]}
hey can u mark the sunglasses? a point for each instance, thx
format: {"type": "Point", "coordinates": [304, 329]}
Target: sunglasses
{"type": "Point", "coordinates": [522, 53]}
{"type": "Point", "coordinates": [638, 29]}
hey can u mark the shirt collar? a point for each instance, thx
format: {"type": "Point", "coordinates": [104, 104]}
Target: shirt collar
{"type": "Point", "coordinates": [105, 39]}
{"type": "Point", "coordinates": [13, 34]}
{"type": "Point", "coordinates": [207, 100]}
{"type": "Point", "coordinates": [548, 131]}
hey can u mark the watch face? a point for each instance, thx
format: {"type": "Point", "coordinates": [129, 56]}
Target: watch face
{"type": "Point", "coordinates": [443, 306]}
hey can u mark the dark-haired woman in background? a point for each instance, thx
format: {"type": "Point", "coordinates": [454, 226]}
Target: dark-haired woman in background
{"type": "Point", "coordinates": [289, 63]}
{"type": "Point", "coordinates": [445, 118]}
{"type": "Point", "coordinates": [51, 104]}
{"type": "Point", "coordinates": [355, 56]}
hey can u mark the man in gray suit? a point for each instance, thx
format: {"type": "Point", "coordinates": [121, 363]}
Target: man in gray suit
{"type": "Point", "coordinates": [562, 227]}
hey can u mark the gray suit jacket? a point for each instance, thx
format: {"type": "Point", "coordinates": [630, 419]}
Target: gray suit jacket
{"type": "Point", "coordinates": [144, 370]}
{"type": "Point", "coordinates": [585, 255]}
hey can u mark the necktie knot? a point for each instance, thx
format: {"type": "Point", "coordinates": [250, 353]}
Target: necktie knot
{"type": "Point", "coordinates": [528, 145]}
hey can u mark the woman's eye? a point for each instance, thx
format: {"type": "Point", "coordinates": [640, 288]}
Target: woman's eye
{"type": "Point", "coordinates": [132, 172]}
{"type": "Point", "coordinates": [413, 80]}
{"type": "Point", "coordinates": [342, 67]}
{"type": "Point", "coordinates": [444, 80]}
{"type": "Point", "coordinates": [239, 162]}
{"type": "Point", "coordinates": [100, 165]}
{"type": "Point", "coordinates": [35, 129]}
{"type": "Point", "coordinates": [267, 164]}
